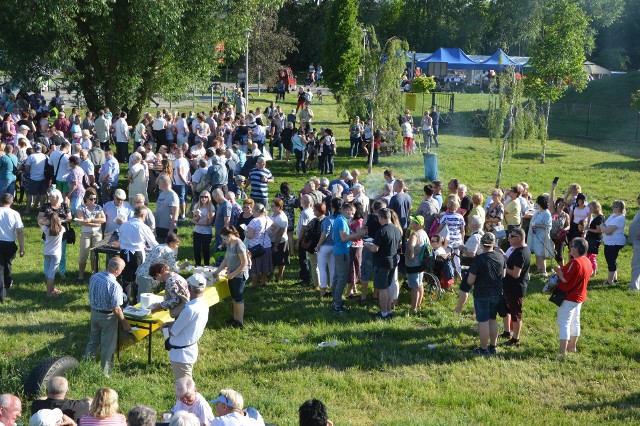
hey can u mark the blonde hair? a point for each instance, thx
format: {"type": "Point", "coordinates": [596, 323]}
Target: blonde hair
{"type": "Point", "coordinates": [477, 198]}
{"type": "Point", "coordinates": [497, 192]}
{"type": "Point", "coordinates": [234, 397]}
{"type": "Point", "coordinates": [104, 404]}
{"type": "Point", "coordinates": [594, 205]}
{"type": "Point", "coordinates": [453, 204]}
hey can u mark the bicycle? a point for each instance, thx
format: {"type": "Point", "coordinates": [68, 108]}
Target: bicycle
{"type": "Point", "coordinates": [446, 118]}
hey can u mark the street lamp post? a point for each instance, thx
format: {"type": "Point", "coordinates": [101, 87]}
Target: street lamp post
{"type": "Point", "coordinates": [247, 32]}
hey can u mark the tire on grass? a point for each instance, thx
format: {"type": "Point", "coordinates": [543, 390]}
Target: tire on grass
{"type": "Point", "coordinates": [43, 372]}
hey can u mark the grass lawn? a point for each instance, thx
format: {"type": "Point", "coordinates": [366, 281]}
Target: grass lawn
{"type": "Point", "coordinates": [380, 373]}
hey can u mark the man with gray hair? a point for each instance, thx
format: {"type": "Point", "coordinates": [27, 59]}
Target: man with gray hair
{"type": "Point", "coordinates": [187, 329]}
{"type": "Point", "coordinates": [57, 389]}
{"type": "Point", "coordinates": [229, 408]}
{"type": "Point", "coordinates": [10, 409]}
{"type": "Point", "coordinates": [141, 415]}
{"type": "Point", "coordinates": [105, 299]}
{"type": "Point", "coordinates": [189, 399]}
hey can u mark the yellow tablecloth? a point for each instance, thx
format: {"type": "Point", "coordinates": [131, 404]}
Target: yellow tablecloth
{"type": "Point", "coordinates": [212, 295]}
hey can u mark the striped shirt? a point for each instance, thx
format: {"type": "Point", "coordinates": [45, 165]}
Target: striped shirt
{"type": "Point", "coordinates": [104, 292]}
{"type": "Point", "coordinates": [454, 222]}
{"type": "Point", "coordinates": [114, 420]}
{"type": "Point", "coordinates": [259, 189]}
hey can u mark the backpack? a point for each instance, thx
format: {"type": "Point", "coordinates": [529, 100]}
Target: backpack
{"type": "Point", "coordinates": [204, 183]}
{"type": "Point", "coordinates": [311, 235]}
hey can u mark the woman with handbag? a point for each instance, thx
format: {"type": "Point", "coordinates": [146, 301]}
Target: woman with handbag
{"type": "Point", "coordinates": [259, 245]}
{"type": "Point", "coordinates": [539, 238]}
{"type": "Point", "coordinates": [570, 293]}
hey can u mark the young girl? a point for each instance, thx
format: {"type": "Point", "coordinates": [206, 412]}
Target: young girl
{"type": "Point", "coordinates": [53, 231]}
{"type": "Point", "coordinates": [203, 215]}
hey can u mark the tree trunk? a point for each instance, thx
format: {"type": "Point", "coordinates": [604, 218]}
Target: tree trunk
{"type": "Point", "coordinates": [546, 132]}
{"type": "Point", "coordinates": [505, 139]}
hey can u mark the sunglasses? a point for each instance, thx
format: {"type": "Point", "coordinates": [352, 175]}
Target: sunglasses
{"type": "Point", "coordinates": [92, 198]}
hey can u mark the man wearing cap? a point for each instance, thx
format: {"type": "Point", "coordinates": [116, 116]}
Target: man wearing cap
{"type": "Point", "coordinates": [260, 178]}
{"type": "Point", "coordinates": [36, 188]}
{"type": "Point", "coordinates": [57, 389]}
{"type": "Point", "coordinates": [189, 399]}
{"type": "Point", "coordinates": [515, 282]}
{"type": "Point", "coordinates": [229, 408]}
{"type": "Point", "coordinates": [116, 212]}
{"type": "Point", "coordinates": [109, 174]}
{"type": "Point", "coordinates": [105, 299]}
{"type": "Point", "coordinates": [187, 329]}
{"type": "Point", "coordinates": [485, 275]}
{"type": "Point", "coordinates": [134, 237]}
{"type": "Point", "coordinates": [10, 409]}
{"type": "Point", "coordinates": [342, 181]}
{"type": "Point", "coordinates": [22, 132]}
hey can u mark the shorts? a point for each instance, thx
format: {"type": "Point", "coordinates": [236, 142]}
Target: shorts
{"type": "Point", "coordinates": [62, 186]}
{"type": "Point", "coordinates": [415, 280]}
{"type": "Point", "coordinates": [366, 268]}
{"type": "Point", "coordinates": [486, 307]}
{"type": "Point", "coordinates": [37, 187]}
{"type": "Point", "coordinates": [181, 190]}
{"type": "Point", "coordinates": [514, 305]}
{"type": "Point", "coordinates": [407, 143]}
{"type": "Point", "coordinates": [236, 287]}
{"type": "Point", "coordinates": [382, 278]}
{"type": "Point", "coordinates": [464, 286]}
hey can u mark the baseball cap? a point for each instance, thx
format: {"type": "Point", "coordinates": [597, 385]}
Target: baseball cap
{"type": "Point", "coordinates": [418, 219]}
{"type": "Point", "coordinates": [120, 194]}
{"type": "Point", "coordinates": [23, 127]}
{"type": "Point", "coordinates": [37, 147]}
{"type": "Point", "coordinates": [346, 174]}
{"type": "Point", "coordinates": [488, 239]}
{"type": "Point", "coordinates": [46, 417]}
{"type": "Point", "coordinates": [357, 186]}
{"type": "Point", "coordinates": [197, 281]}
{"type": "Point", "coordinates": [223, 399]}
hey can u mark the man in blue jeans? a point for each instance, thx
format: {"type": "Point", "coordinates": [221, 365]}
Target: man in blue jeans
{"type": "Point", "coordinates": [485, 275]}
{"type": "Point", "coordinates": [342, 238]}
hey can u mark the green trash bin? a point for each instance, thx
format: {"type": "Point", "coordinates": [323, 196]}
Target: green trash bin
{"type": "Point", "coordinates": [430, 166]}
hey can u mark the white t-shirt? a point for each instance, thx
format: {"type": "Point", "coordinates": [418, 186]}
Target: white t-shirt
{"type": "Point", "coordinates": [197, 175]}
{"type": "Point", "coordinates": [198, 152]}
{"type": "Point", "coordinates": [61, 171]}
{"type": "Point", "coordinates": [9, 221]}
{"type": "Point", "coordinates": [617, 238]}
{"type": "Point", "coordinates": [200, 408]}
{"type": "Point", "coordinates": [36, 163]}
{"type": "Point", "coordinates": [234, 419]}
{"type": "Point", "coordinates": [159, 123]}
{"type": "Point", "coordinates": [181, 164]}
{"type": "Point", "coordinates": [52, 244]}
{"type": "Point", "coordinates": [407, 130]}
{"type": "Point", "coordinates": [282, 221]}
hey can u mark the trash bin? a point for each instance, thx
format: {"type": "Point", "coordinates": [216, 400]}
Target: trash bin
{"type": "Point", "coordinates": [430, 166]}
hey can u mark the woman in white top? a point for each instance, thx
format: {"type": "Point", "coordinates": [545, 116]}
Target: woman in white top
{"type": "Point", "coordinates": [279, 237]}
{"type": "Point", "coordinates": [140, 135]}
{"type": "Point", "coordinates": [85, 141]}
{"type": "Point", "coordinates": [257, 233]}
{"type": "Point", "coordinates": [427, 130]}
{"type": "Point", "coordinates": [91, 217]}
{"type": "Point", "coordinates": [579, 213]}
{"type": "Point", "coordinates": [137, 178]}
{"type": "Point", "coordinates": [53, 231]}
{"type": "Point", "coordinates": [203, 214]}
{"type": "Point", "coordinates": [258, 134]}
{"type": "Point", "coordinates": [613, 238]}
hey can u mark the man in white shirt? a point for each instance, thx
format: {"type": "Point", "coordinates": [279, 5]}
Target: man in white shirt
{"type": "Point", "coordinates": [116, 212]}
{"type": "Point", "coordinates": [189, 399]}
{"type": "Point", "coordinates": [134, 237]}
{"type": "Point", "coordinates": [88, 167]}
{"type": "Point", "coordinates": [37, 186]}
{"type": "Point", "coordinates": [121, 128]}
{"type": "Point", "coordinates": [183, 130]}
{"type": "Point", "coordinates": [59, 159]}
{"type": "Point", "coordinates": [159, 128]}
{"type": "Point", "coordinates": [201, 129]}
{"type": "Point", "coordinates": [181, 180]}
{"type": "Point", "coordinates": [11, 228]}
{"type": "Point", "coordinates": [187, 329]}
{"type": "Point", "coordinates": [357, 190]}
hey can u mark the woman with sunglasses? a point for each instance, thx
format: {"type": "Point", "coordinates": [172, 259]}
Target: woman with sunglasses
{"type": "Point", "coordinates": [203, 213]}
{"type": "Point", "coordinates": [90, 217]}
{"type": "Point", "coordinates": [237, 263]}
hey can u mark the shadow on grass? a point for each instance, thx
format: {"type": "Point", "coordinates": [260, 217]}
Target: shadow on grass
{"type": "Point", "coordinates": [535, 155]}
{"type": "Point", "coordinates": [618, 165]}
{"type": "Point", "coordinates": [625, 408]}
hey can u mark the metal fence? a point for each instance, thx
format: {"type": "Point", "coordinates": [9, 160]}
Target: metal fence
{"type": "Point", "coordinates": [594, 120]}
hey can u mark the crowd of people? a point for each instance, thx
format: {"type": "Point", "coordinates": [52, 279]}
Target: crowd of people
{"type": "Point", "coordinates": [191, 409]}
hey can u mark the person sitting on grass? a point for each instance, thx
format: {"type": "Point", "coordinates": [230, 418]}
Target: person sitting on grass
{"type": "Point", "coordinates": [229, 408]}
{"type": "Point", "coordinates": [141, 415]}
{"type": "Point", "coordinates": [104, 410]}
{"type": "Point", "coordinates": [189, 399]}
{"type": "Point", "coordinates": [57, 389]}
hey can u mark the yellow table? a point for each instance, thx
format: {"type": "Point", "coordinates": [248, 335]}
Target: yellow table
{"type": "Point", "coordinates": [151, 323]}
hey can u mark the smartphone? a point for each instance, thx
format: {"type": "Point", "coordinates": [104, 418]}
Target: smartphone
{"type": "Point", "coordinates": [555, 180]}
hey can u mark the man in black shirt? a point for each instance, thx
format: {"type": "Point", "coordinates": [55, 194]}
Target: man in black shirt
{"type": "Point", "coordinates": [385, 248]}
{"type": "Point", "coordinates": [485, 274]}
{"type": "Point", "coordinates": [57, 389]}
{"type": "Point", "coordinates": [372, 225]}
{"type": "Point", "coordinates": [515, 283]}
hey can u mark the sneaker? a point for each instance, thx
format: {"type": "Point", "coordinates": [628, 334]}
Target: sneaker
{"type": "Point", "coordinates": [378, 316]}
{"type": "Point", "coordinates": [512, 342]}
{"type": "Point", "coordinates": [181, 217]}
{"type": "Point", "coordinates": [492, 350]}
{"type": "Point", "coordinates": [480, 351]}
{"type": "Point", "coordinates": [505, 335]}
{"type": "Point", "coordinates": [339, 309]}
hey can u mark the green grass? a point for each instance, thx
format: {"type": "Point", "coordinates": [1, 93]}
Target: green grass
{"type": "Point", "coordinates": [381, 373]}
{"type": "Point", "coordinates": [611, 90]}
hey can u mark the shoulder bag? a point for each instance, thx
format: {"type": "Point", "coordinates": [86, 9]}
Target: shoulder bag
{"type": "Point", "coordinates": [258, 250]}
{"type": "Point", "coordinates": [558, 296]}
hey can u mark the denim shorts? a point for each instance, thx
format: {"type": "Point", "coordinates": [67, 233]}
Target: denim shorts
{"type": "Point", "coordinates": [464, 286]}
{"type": "Point", "coordinates": [415, 280]}
{"type": "Point", "coordinates": [181, 190]}
{"type": "Point", "coordinates": [366, 268]}
{"type": "Point", "coordinates": [236, 287]}
{"type": "Point", "coordinates": [486, 307]}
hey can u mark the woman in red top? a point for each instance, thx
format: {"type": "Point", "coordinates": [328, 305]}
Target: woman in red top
{"type": "Point", "coordinates": [573, 279]}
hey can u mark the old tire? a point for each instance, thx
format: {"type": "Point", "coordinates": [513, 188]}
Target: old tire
{"type": "Point", "coordinates": [43, 372]}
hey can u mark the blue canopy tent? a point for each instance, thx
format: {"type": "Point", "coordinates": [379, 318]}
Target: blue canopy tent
{"type": "Point", "coordinates": [498, 60]}
{"type": "Point", "coordinates": [455, 59]}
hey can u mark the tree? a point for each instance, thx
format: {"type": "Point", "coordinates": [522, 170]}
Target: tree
{"type": "Point", "coordinates": [423, 84]}
{"type": "Point", "coordinates": [120, 52]}
{"type": "Point", "coordinates": [557, 56]}
{"type": "Point", "coordinates": [343, 47]}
